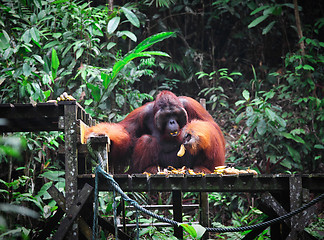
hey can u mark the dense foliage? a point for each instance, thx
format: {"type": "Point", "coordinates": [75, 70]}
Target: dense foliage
{"type": "Point", "coordinates": [259, 64]}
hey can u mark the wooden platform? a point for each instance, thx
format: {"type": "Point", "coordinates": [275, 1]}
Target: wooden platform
{"type": "Point", "coordinates": [280, 193]}
{"type": "Point", "coordinates": [20, 117]}
{"type": "Point", "coordinates": [208, 183]}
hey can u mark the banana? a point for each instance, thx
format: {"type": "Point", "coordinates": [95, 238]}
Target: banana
{"type": "Point", "coordinates": [182, 151]}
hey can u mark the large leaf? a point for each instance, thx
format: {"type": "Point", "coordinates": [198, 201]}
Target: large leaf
{"type": "Point", "coordinates": [246, 95]}
{"type": "Point", "coordinates": [293, 137]}
{"type": "Point", "coordinates": [129, 57]}
{"type": "Point", "coordinates": [35, 34]}
{"type": "Point", "coordinates": [95, 91]}
{"type": "Point", "coordinates": [55, 63]}
{"type": "Point", "coordinates": [271, 114]}
{"type": "Point", "coordinates": [148, 42]}
{"type": "Point", "coordinates": [105, 79]}
{"type": "Point", "coordinates": [259, 9]}
{"type": "Point", "coordinates": [196, 231]}
{"type": "Point", "coordinates": [131, 17]}
{"type": "Point", "coordinates": [128, 34]}
{"type": "Point", "coordinates": [293, 153]}
{"type": "Point", "coordinates": [257, 21]}
{"type": "Point", "coordinates": [113, 24]}
{"type": "Point", "coordinates": [268, 28]}
{"type": "Point", "coordinates": [53, 175]}
{"type": "Point", "coordinates": [262, 127]}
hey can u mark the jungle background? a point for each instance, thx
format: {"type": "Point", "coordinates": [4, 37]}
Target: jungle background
{"type": "Point", "coordinates": [259, 65]}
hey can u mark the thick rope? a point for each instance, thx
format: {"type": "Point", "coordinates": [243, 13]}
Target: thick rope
{"type": "Point", "coordinates": [115, 185]}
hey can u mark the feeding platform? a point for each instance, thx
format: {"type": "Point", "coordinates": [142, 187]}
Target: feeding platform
{"type": "Point", "coordinates": [280, 193]}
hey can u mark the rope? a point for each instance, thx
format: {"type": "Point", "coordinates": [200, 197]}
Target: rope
{"type": "Point", "coordinates": [115, 185]}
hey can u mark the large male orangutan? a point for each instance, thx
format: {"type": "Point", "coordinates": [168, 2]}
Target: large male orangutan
{"type": "Point", "coordinates": [151, 136]}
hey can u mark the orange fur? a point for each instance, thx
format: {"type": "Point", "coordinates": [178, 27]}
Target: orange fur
{"type": "Point", "coordinates": [114, 131]}
{"type": "Point", "coordinates": [207, 145]}
{"type": "Point", "coordinates": [139, 136]}
{"type": "Point", "coordinates": [121, 143]}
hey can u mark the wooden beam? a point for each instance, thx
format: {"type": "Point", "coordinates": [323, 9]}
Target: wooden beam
{"type": "Point", "coordinates": [73, 213]}
{"type": "Point", "coordinates": [204, 212]}
{"type": "Point", "coordinates": [71, 159]}
{"type": "Point", "coordinates": [177, 212]}
{"type": "Point", "coordinates": [60, 200]}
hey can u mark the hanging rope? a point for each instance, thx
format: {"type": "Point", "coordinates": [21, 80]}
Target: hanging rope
{"type": "Point", "coordinates": [115, 185]}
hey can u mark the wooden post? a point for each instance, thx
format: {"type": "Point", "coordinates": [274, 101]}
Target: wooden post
{"type": "Point", "coordinates": [71, 160]}
{"type": "Point", "coordinates": [299, 221]}
{"type": "Point", "coordinates": [177, 212]}
{"type": "Point", "coordinates": [203, 202]}
{"type": "Point", "coordinates": [204, 211]}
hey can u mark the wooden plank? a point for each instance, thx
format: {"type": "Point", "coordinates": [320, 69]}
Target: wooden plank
{"type": "Point", "coordinates": [295, 189]}
{"type": "Point", "coordinates": [71, 159]}
{"type": "Point", "coordinates": [73, 213]}
{"type": "Point", "coordinates": [271, 202]}
{"type": "Point", "coordinates": [188, 183]}
{"type": "Point", "coordinates": [60, 200]}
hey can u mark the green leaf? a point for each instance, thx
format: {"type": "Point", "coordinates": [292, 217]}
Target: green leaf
{"type": "Point", "coordinates": [131, 17]}
{"type": "Point", "coordinates": [55, 60]}
{"type": "Point", "coordinates": [259, 9]}
{"type": "Point", "coordinates": [88, 102]}
{"type": "Point", "coordinates": [110, 45]}
{"type": "Point", "coordinates": [319, 146]}
{"type": "Point", "coordinates": [257, 21]}
{"type": "Point", "coordinates": [53, 175]}
{"type": "Point", "coordinates": [308, 67]}
{"type": "Point", "coordinates": [239, 117]}
{"type": "Point", "coordinates": [292, 137]}
{"type": "Point", "coordinates": [57, 35]}
{"type": "Point", "coordinates": [293, 153]}
{"type": "Point", "coordinates": [43, 190]}
{"type": "Point", "coordinates": [196, 231]}
{"type": "Point", "coordinates": [60, 1]}
{"type": "Point", "coordinates": [95, 91]}
{"type": "Point", "coordinates": [113, 24]}
{"type": "Point", "coordinates": [240, 102]}
{"type": "Point", "coordinates": [156, 53]}
{"type": "Point", "coordinates": [128, 34]}
{"type": "Point", "coordinates": [280, 121]}
{"type": "Point", "coordinates": [105, 79]}
{"type": "Point", "coordinates": [51, 44]}
{"type": "Point", "coordinates": [26, 37]}
{"type": "Point", "coordinates": [268, 28]}
{"type": "Point", "coordinates": [189, 229]}
{"type": "Point", "coordinates": [79, 53]}
{"type": "Point", "coordinates": [286, 163]}
{"type": "Point", "coordinates": [26, 69]}
{"type": "Point", "coordinates": [270, 114]}
{"type": "Point", "coordinates": [35, 34]}
{"type": "Point", "coordinates": [297, 131]}
{"type": "Point", "coordinates": [120, 100]}
{"type": "Point", "coordinates": [148, 42]}
{"type": "Point", "coordinates": [262, 127]}
{"type": "Point", "coordinates": [38, 58]}
{"type": "Point", "coordinates": [246, 95]}
{"type": "Point", "coordinates": [249, 111]}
